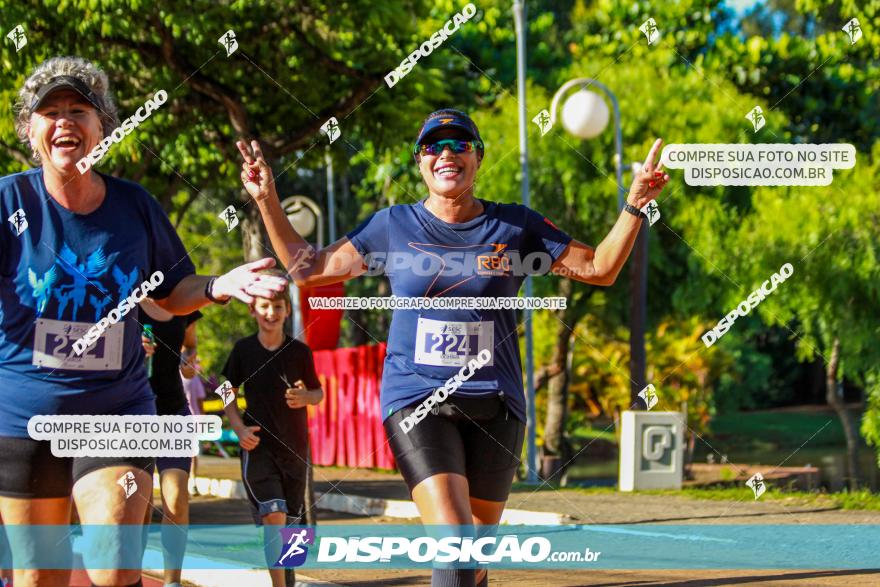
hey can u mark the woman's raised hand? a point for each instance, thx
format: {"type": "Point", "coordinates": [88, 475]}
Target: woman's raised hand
{"type": "Point", "coordinates": [256, 175]}
{"type": "Point", "coordinates": [650, 179]}
{"type": "Point", "coordinates": [246, 282]}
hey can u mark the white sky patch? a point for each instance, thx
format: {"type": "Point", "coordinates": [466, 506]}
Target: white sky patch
{"type": "Point", "coordinates": [741, 7]}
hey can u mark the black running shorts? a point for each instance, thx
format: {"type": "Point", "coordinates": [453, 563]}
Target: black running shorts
{"type": "Point", "coordinates": [29, 470]}
{"type": "Point", "coordinates": [274, 482]}
{"type": "Point", "coordinates": [475, 437]}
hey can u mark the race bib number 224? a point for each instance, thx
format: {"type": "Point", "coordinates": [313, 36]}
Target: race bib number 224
{"type": "Point", "coordinates": [452, 344]}
{"type": "Point", "coordinates": [53, 346]}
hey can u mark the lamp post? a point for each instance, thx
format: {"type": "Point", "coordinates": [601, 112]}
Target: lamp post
{"type": "Point", "coordinates": [531, 448]}
{"type": "Point", "coordinates": [331, 196]}
{"type": "Point", "coordinates": [305, 216]}
{"type": "Point", "coordinates": [585, 115]}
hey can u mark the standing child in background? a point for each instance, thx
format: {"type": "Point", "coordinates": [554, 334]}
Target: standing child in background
{"type": "Point", "coordinates": [171, 352]}
{"type": "Point", "coordinates": [194, 390]}
{"type": "Point", "coordinates": [279, 380]}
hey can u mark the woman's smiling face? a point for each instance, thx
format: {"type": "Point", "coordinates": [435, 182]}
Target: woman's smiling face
{"type": "Point", "coordinates": [449, 174]}
{"type": "Point", "coordinates": [64, 129]}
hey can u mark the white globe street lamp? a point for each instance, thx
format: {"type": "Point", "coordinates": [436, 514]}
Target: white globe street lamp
{"type": "Point", "coordinates": [585, 114]}
{"type": "Point", "coordinates": [305, 216]}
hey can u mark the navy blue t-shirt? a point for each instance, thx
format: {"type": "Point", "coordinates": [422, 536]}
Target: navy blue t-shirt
{"type": "Point", "coordinates": [62, 274]}
{"type": "Point", "coordinates": [426, 257]}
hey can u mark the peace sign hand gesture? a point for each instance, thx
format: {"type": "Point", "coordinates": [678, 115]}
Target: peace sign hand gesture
{"type": "Point", "coordinates": [650, 179]}
{"type": "Point", "coordinates": [256, 175]}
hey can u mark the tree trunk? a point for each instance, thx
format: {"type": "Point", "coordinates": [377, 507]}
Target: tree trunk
{"type": "Point", "coordinates": [254, 241]}
{"type": "Point", "coordinates": [835, 400]}
{"type": "Point", "coordinates": [555, 444]}
{"type": "Point", "coordinates": [557, 450]}
{"type": "Point", "coordinates": [815, 373]}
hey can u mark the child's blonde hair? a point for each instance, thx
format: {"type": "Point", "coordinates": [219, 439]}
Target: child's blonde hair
{"type": "Point", "coordinates": [276, 295]}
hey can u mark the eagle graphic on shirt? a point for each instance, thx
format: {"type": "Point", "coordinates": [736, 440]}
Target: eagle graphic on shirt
{"type": "Point", "coordinates": [75, 284]}
{"type": "Point", "coordinates": [41, 288]}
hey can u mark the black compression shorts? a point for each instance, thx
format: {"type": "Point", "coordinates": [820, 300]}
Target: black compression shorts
{"type": "Point", "coordinates": [29, 470]}
{"type": "Point", "coordinates": [475, 437]}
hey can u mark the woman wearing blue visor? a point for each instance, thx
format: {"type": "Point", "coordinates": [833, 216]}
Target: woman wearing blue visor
{"type": "Point", "coordinates": [459, 451]}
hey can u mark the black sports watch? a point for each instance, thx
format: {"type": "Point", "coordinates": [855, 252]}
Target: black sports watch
{"type": "Point", "coordinates": [634, 211]}
{"type": "Point", "coordinates": [208, 287]}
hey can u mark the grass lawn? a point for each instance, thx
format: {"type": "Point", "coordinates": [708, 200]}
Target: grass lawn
{"type": "Point", "coordinates": [759, 430]}
{"type": "Point", "coordinates": [860, 500]}
{"type": "Point", "coordinates": [779, 429]}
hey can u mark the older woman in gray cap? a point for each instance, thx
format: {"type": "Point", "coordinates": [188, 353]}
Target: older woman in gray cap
{"type": "Point", "coordinates": [80, 250]}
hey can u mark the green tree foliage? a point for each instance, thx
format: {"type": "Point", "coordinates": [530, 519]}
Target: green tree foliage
{"type": "Point", "coordinates": [297, 64]}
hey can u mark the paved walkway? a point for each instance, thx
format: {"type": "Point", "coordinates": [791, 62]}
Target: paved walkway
{"type": "Point", "coordinates": [81, 579]}
{"type": "Point", "coordinates": [587, 507]}
{"type": "Point", "coordinates": [581, 507]}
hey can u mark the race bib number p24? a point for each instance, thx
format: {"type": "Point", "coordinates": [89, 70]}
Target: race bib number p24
{"type": "Point", "coordinates": [53, 346]}
{"type": "Point", "coordinates": [452, 344]}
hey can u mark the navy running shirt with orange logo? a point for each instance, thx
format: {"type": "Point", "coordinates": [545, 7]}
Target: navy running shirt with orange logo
{"type": "Point", "coordinates": [488, 256]}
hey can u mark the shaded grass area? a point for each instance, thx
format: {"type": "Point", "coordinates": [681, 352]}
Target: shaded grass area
{"type": "Point", "coordinates": [759, 430]}
{"type": "Point", "coordinates": [585, 434]}
{"type": "Point", "coordinates": [858, 500]}
{"type": "Point", "coordinates": [778, 429]}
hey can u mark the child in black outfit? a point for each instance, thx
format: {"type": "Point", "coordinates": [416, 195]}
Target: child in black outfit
{"type": "Point", "coordinates": [279, 379]}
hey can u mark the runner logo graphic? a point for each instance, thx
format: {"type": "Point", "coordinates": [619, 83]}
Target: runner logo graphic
{"type": "Point", "coordinates": [19, 221]}
{"type": "Point", "coordinates": [225, 393]}
{"type": "Point", "coordinates": [543, 121]}
{"type": "Point", "coordinates": [18, 38]}
{"type": "Point", "coordinates": [756, 117]}
{"type": "Point", "coordinates": [297, 541]}
{"type": "Point", "coordinates": [128, 484]}
{"type": "Point", "coordinates": [652, 33]}
{"type": "Point", "coordinates": [652, 211]}
{"type": "Point", "coordinates": [331, 129]}
{"type": "Point", "coordinates": [302, 260]}
{"type": "Point", "coordinates": [228, 216]}
{"type": "Point", "coordinates": [228, 41]}
{"type": "Point", "coordinates": [757, 484]}
{"type": "Point", "coordinates": [854, 30]}
{"type": "Point", "coordinates": [649, 396]}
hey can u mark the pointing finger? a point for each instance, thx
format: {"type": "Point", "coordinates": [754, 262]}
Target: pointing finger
{"type": "Point", "coordinates": [652, 155]}
{"type": "Point", "coordinates": [242, 148]}
{"type": "Point", "coordinates": [258, 152]}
